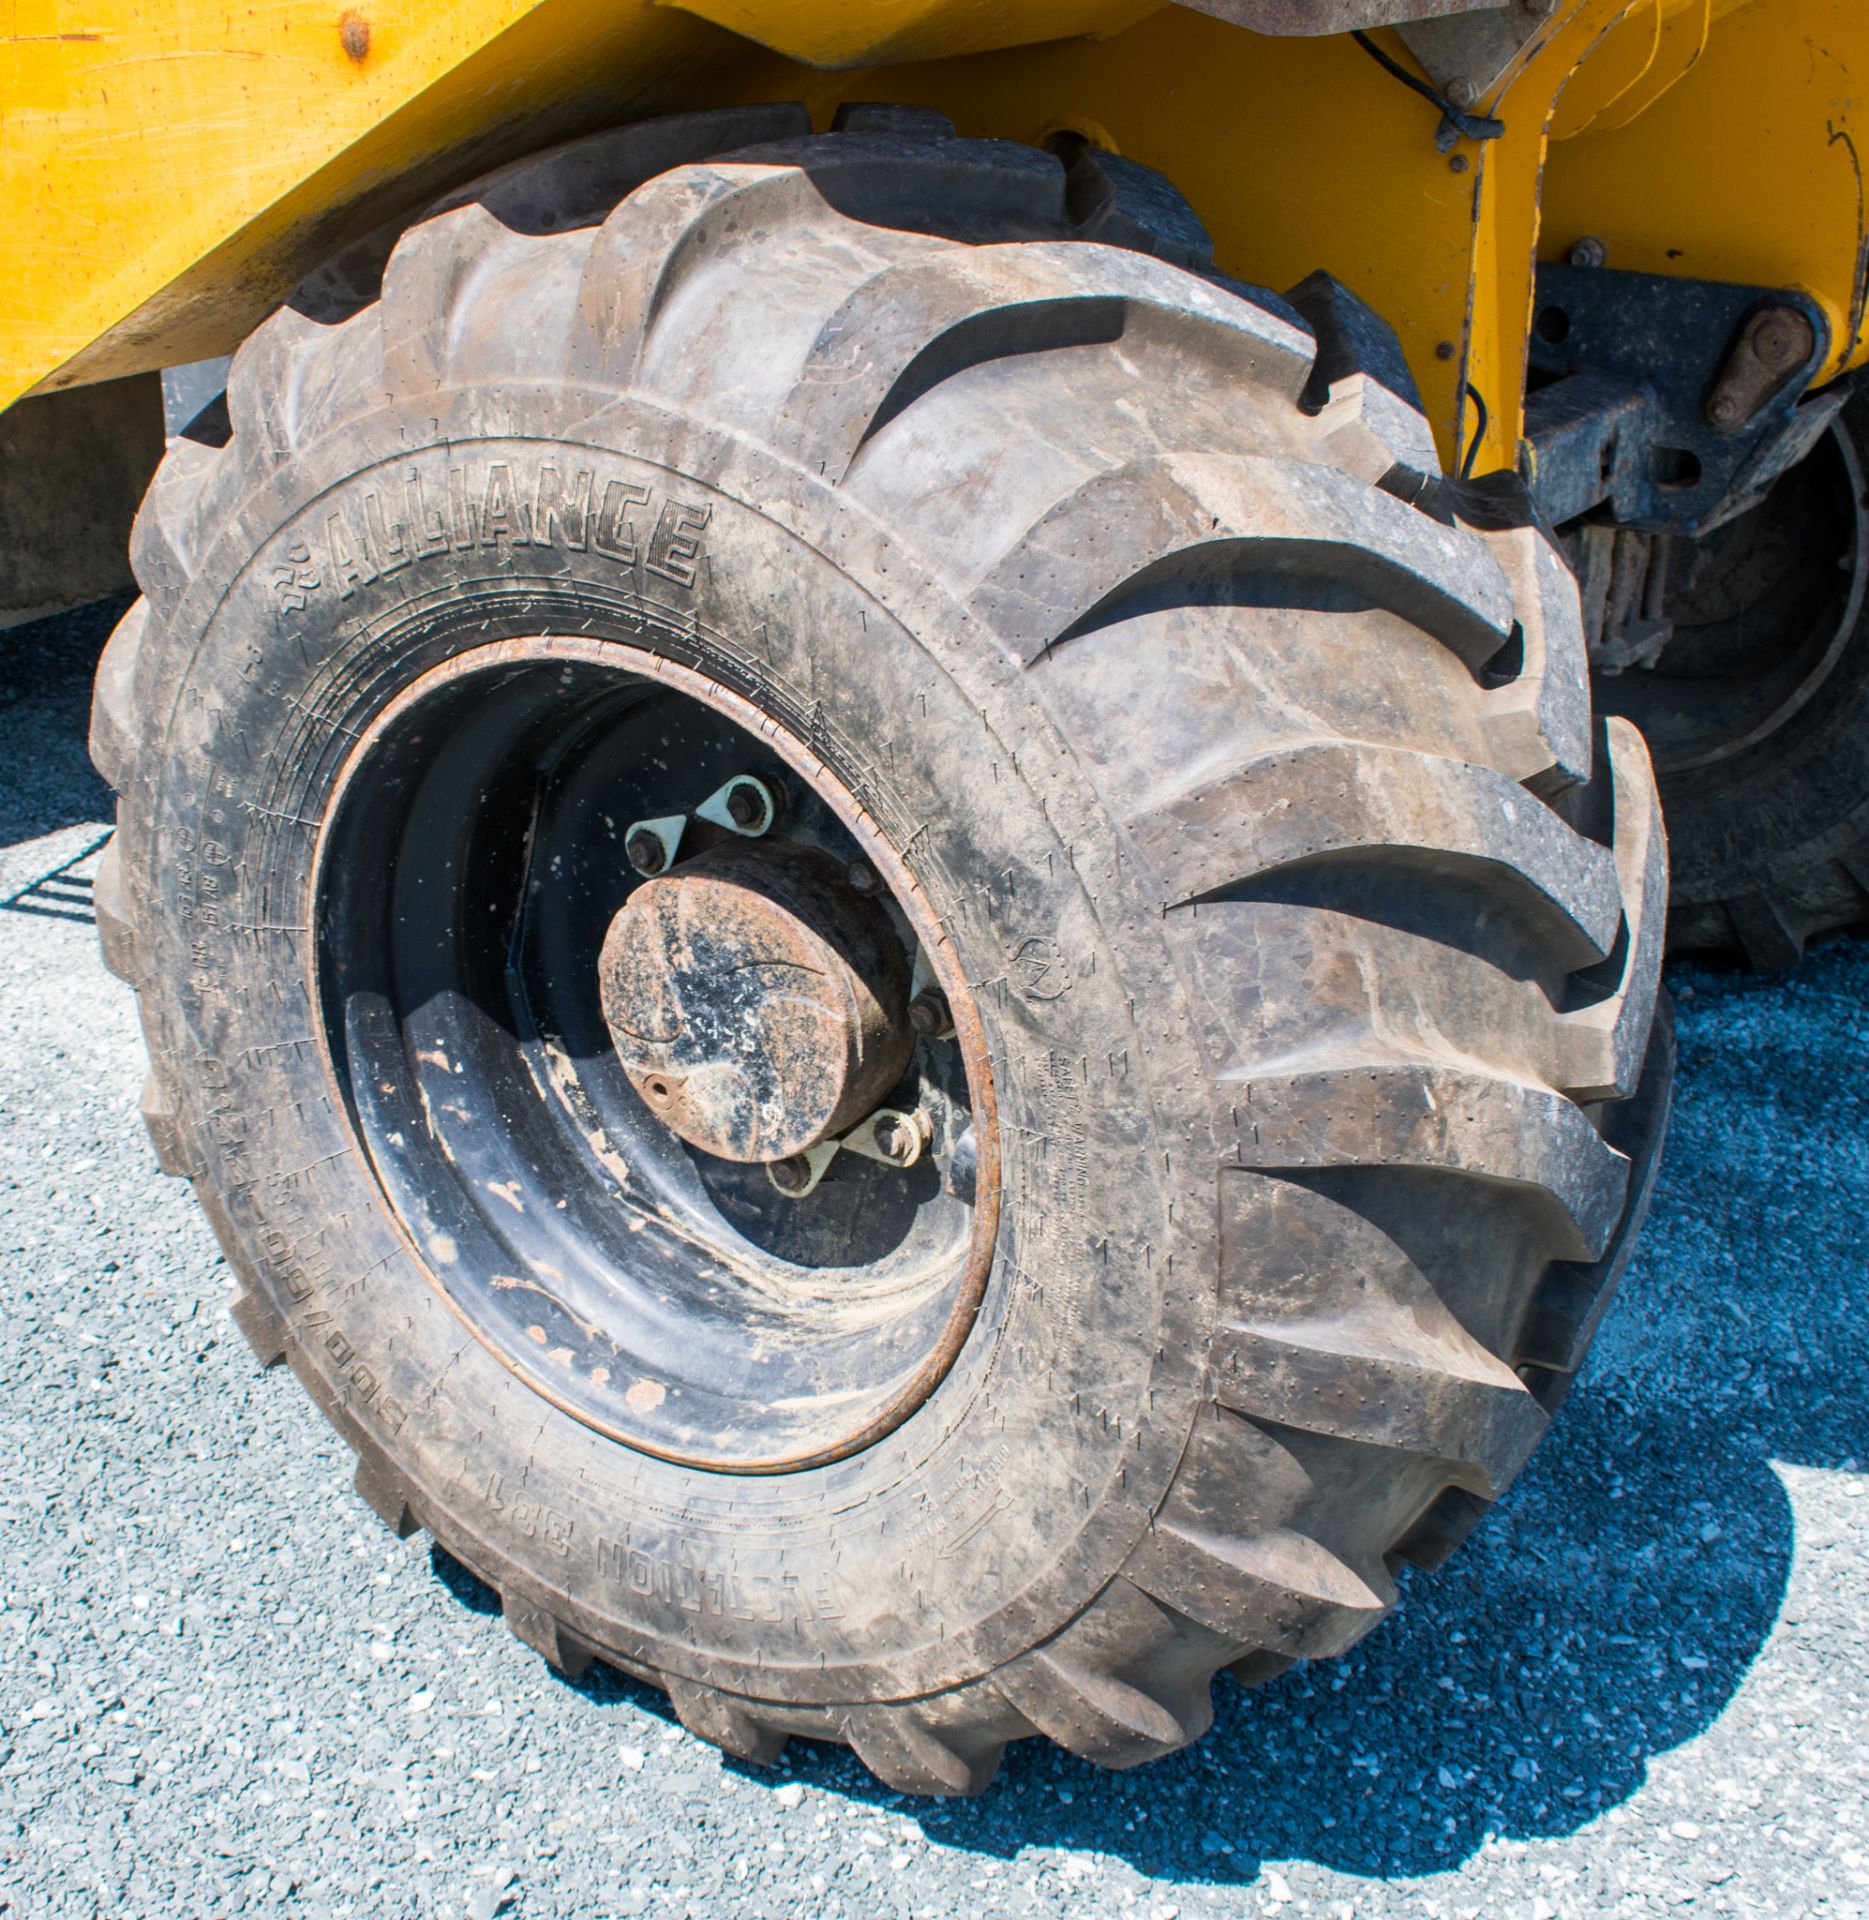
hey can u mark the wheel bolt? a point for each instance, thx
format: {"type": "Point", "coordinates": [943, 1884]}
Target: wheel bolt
{"type": "Point", "coordinates": [862, 878]}
{"type": "Point", "coordinates": [791, 1176]}
{"type": "Point", "coordinates": [897, 1139]}
{"type": "Point", "coordinates": [928, 1014]}
{"type": "Point", "coordinates": [744, 806]}
{"type": "Point", "coordinates": [646, 852]}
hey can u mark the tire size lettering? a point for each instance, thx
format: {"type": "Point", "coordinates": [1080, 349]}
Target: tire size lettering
{"type": "Point", "coordinates": [655, 1574]}
{"type": "Point", "coordinates": [298, 1272]}
{"type": "Point", "coordinates": [360, 1381]}
{"type": "Point", "coordinates": [534, 1519]}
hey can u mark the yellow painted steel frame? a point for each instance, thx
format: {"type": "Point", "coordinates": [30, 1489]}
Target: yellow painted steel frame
{"type": "Point", "coordinates": [168, 168]}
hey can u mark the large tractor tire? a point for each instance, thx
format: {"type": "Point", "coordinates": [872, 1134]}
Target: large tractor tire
{"type": "Point", "coordinates": [1757, 714]}
{"type": "Point", "coordinates": [871, 640]}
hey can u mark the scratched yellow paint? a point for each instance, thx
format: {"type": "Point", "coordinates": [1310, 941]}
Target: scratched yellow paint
{"type": "Point", "coordinates": [1750, 169]}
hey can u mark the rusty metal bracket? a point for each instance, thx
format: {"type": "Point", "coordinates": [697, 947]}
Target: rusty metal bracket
{"type": "Point", "coordinates": [1771, 347]}
{"type": "Point", "coordinates": [1664, 403]}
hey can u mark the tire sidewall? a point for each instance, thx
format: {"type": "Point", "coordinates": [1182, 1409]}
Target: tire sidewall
{"type": "Point", "coordinates": [1000, 1508]}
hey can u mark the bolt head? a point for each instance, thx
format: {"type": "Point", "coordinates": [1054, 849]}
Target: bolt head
{"type": "Point", "coordinates": [745, 805]}
{"type": "Point", "coordinates": [892, 1139]}
{"type": "Point", "coordinates": [1462, 92]}
{"type": "Point", "coordinates": [791, 1176]}
{"type": "Point", "coordinates": [928, 1014]}
{"type": "Point", "coordinates": [1723, 410]}
{"type": "Point", "coordinates": [646, 853]}
{"type": "Point", "coordinates": [862, 877]}
{"type": "Point", "coordinates": [1588, 252]}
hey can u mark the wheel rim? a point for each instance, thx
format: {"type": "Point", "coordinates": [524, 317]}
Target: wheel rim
{"type": "Point", "coordinates": [529, 1039]}
{"type": "Point", "coordinates": [1776, 600]}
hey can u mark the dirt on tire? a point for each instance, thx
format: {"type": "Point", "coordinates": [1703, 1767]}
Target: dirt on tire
{"type": "Point", "coordinates": [1313, 925]}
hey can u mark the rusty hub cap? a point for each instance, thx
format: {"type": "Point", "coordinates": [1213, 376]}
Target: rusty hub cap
{"type": "Point", "coordinates": [758, 1004]}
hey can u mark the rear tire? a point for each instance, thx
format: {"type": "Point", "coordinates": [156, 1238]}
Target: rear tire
{"type": "Point", "coordinates": [1757, 715]}
{"type": "Point", "coordinates": [1311, 929]}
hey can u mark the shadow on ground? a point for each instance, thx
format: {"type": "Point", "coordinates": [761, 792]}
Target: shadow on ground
{"type": "Point", "coordinates": [46, 777]}
{"type": "Point", "coordinates": [1611, 1607]}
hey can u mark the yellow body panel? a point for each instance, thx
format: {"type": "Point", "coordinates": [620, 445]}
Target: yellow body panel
{"type": "Point", "coordinates": [170, 161]}
{"type": "Point", "coordinates": [1751, 169]}
{"type": "Point", "coordinates": [168, 169]}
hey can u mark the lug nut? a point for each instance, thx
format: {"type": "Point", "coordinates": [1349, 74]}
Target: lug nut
{"type": "Point", "coordinates": [862, 878]}
{"type": "Point", "coordinates": [650, 846]}
{"type": "Point", "coordinates": [746, 804]}
{"type": "Point", "coordinates": [928, 1014]}
{"type": "Point", "coordinates": [646, 852]}
{"type": "Point", "coordinates": [791, 1176]}
{"type": "Point", "coordinates": [897, 1139]}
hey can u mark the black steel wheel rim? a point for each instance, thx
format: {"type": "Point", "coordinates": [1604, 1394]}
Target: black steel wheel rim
{"type": "Point", "coordinates": [472, 861]}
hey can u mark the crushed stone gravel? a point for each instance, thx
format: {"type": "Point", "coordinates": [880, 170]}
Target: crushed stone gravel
{"type": "Point", "coordinates": [1639, 1689]}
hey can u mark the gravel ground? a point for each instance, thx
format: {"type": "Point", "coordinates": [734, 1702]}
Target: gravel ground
{"type": "Point", "coordinates": [223, 1689]}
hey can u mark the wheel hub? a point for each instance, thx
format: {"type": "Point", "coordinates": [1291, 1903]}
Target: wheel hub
{"type": "Point", "coordinates": [757, 1001]}
{"type": "Point", "coordinates": [567, 1057]}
